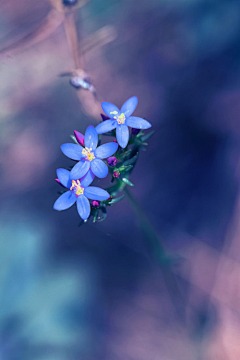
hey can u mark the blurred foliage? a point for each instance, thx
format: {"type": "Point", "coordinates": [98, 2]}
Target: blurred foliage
{"type": "Point", "coordinates": [44, 309]}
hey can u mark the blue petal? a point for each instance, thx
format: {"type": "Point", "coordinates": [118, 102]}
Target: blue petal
{"type": "Point", "coordinates": [73, 151]}
{"type": "Point", "coordinates": [122, 134]}
{"type": "Point", "coordinates": [80, 169]}
{"type": "Point", "coordinates": [138, 123]}
{"type": "Point", "coordinates": [64, 177]}
{"type": "Point", "coordinates": [91, 137]}
{"type": "Point", "coordinates": [106, 150]}
{"type": "Point", "coordinates": [96, 193]}
{"type": "Point", "coordinates": [83, 207]}
{"type": "Point", "coordinates": [106, 126]}
{"type": "Point", "coordinates": [109, 108]}
{"type": "Point", "coordinates": [129, 106]}
{"type": "Point", "coordinates": [87, 179]}
{"type": "Point", "coordinates": [65, 201]}
{"type": "Point", "coordinates": [99, 168]}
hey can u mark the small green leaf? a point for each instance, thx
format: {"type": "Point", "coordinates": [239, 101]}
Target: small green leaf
{"type": "Point", "coordinates": [131, 161]}
{"type": "Point", "coordinates": [128, 182]}
{"type": "Point", "coordinates": [147, 136]}
{"type": "Point", "coordinates": [115, 200]}
{"type": "Point", "coordinates": [123, 169]}
{"type": "Point", "coordinates": [125, 154]}
{"type": "Point", "coordinates": [139, 134]}
{"type": "Point", "coordinates": [95, 215]}
{"type": "Point", "coordinates": [74, 139]}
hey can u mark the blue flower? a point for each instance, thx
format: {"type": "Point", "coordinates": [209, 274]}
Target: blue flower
{"type": "Point", "coordinates": [90, 156]}
{"type": "Point", "coordinates": [121, 119]}
{"type": "Point", "coordinates": [80, 192]}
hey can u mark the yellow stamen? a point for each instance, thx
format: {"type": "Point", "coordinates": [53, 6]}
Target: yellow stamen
{"type": "Point", "coordinates": [121, 119]}
{"type": "Point", "coordinates": [87, 152]}
{"type": "Point", "coordinates": [77, 187]}
{"type": "Point", "coordinates": [114, 112]}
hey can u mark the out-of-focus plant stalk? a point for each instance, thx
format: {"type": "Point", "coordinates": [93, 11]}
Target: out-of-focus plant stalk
{"type": "Point", "coordinates": [153, 243]}
{"type": "Point", "coordinates": [156, 249]}
{"type": "Point", "coordinates": [70, 29]}
{"type": "Point", "coordinates": [72, 38]}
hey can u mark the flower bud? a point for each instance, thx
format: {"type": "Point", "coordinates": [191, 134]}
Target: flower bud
{"type": "Point", "coordinates": [116, 174]}
{"type": "Point", "coordinates": [112, 161]}
{"type": "Point", "coordinates": [79, 137]}
{"type": "Point", "coordinates": [104, 117]}
{"type": "Point", "coordinates": [95, 203]}
{"type": "Point", "coordinates": [135, 131]}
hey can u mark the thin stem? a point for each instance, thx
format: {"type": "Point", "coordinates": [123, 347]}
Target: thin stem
{"type": "Point", "coordinates": [152, 241]}
{"type": "Point", "coordinates": [150, 233]}
{"type": "Point", "coordinates": [72, 38]}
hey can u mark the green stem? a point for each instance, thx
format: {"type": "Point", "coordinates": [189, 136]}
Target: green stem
{"type": "Point", "coordinates": [150, 234]}
{"type": "Point", "coordinates": [153, 243]}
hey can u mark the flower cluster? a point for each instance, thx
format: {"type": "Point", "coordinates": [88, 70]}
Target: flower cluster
{"type": "Point", "coordinates": [89, 155]}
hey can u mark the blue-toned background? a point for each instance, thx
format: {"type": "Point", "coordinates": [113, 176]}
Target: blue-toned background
{"type": "Point", "coordinates": [95, 292]}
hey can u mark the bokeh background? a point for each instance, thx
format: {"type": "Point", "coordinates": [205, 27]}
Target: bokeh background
{"type": "Point", "coordinates": [95, 292]}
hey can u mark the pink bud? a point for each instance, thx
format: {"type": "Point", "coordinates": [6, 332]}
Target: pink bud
{"type": "Point", "coordinates": [57, 181]}
{"type": "Point", "coordinates": [95, 203]}
{"type": "Point", "coordinates": [79, 137]}
{"type": "Point", "coordinates": [116, 174]}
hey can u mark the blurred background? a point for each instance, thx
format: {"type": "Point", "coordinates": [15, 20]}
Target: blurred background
{"type": "Point", "coordinates": [95, 292]}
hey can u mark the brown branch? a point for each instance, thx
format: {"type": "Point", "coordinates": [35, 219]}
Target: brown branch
{"type": "Point", "coordinates": [52, 21]}
{"type": "Point", "coordinates": [72, 38]}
